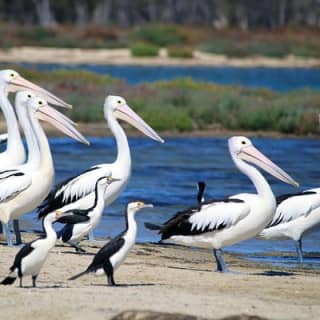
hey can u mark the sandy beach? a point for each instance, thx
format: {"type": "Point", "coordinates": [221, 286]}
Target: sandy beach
{"type": "Point", "coordinates": [160, 278]}
{"type": "Point", "coordinates": [123, 57]}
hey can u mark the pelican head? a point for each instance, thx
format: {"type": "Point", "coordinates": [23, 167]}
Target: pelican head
{"type": "Point", "coordinates": [242, 148]}
{"type": "Point", "coordinates": [22, 98]}
{"type": "Point", "coordinates": [14, 82]}
{"type": "Point", "coordinates": [133, 207]}
{"type": "Point", "coordinates": [46, 113]}
{"type": "Point", "coordinates": [120, 109]}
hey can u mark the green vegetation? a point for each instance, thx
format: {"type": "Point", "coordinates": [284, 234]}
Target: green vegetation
{"type": "Point", "coordinates": [186, 105]}
{"type": "Point", "coordinates": [180, 52]}
{"type": "Point", "coordinates": [158, 35]}
{"type": "Point", "coordinates": [178, 40]}
{"type": "Point", "coordinates": [141, 49]}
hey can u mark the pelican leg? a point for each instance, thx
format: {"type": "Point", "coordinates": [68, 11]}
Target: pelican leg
{"type": "Point", "coordinates": [91, 236]}
{"type": "Point", "coordinates": [221, 265]}
{"type": "Point", "coordinates": [77, 247]}
{"type": "Point", "coordinates": [8, 234]}
{"type": "Point", "coordinates": [299, 251]}
{"type": "Point", "coordinates": [34, 279]}
{"type": "Point", "coordinates": [1, 229]}
{"type": "Point", "coordinates": [17, 232]}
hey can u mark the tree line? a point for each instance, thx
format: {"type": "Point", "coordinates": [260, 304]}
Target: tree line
{"type": "Point", "coordinates": [244, 14]}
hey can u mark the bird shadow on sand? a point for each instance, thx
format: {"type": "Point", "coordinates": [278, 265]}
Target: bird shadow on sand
{"type": "Point", "coordinates": [125, 285]}
{"type": "Point", "coordinates": [190, 269]}
{"type": "Point", "coordinates": [77, 253]}
{"type": "Point", "coordinates": [273, 273]}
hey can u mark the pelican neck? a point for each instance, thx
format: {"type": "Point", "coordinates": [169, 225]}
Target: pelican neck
{"type": "Point", "coordinates": [14, 143]}
{"type": "Point", "coordinates": [262, 186]}
{"type": "Point", "coordinates": [45, 158]}
{"type": "Point", "coordinates": [123, 150]}
{"type": "Point", "coordinates": [25, 120]}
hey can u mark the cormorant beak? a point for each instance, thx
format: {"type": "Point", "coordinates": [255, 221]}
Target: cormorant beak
{"type": "Point", "coordinates": [61, 122]}
{"type": "Point", "coordinates": [124, 112]}
{"type": "Point", "coordinates": [20, 83]}
{"type": "Point", "coordinates": [253, 155]}
{"type": "Point", "coordinates": [147, 205]}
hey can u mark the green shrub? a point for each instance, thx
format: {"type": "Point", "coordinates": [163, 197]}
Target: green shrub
{"type": "Point", "coordinates": [157, 34]}
{"type": "Point", "coordinates": [144, 50]}
{"type": "Point", "coordinates": [180, 52]}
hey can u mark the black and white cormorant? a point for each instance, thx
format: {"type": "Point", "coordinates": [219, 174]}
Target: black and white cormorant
{"type": "Point", "coordinates": [74, 232]}
{"type": "Point", "coordinates": [109, 257]}
{"type": "Point", "coordinates": [31, 257]}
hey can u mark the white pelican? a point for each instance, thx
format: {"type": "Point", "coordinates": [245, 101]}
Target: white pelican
{"type": "Point", "coordinates": [295, 215]}
{"type": "Point", "coordinates": [22, 188]}
{"type": "Point", "coordinates": [11, 81]}
{"type": "Point", "coordinates": [31, 257]}
{"type": "Point", "coordinates": [77, 192]}
{"type": "Point", "coordinates": [218, 223]}
{"type": "Point", "coordinates": [112, 254]}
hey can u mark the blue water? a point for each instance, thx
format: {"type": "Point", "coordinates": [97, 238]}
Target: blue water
{"type": "Point", "coordinates": [166, 175]}
{"type": "Point", "coordinates": [279, 79]}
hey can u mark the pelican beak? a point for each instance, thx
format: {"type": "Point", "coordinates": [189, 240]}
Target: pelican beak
{"type": "Point", "coordinates": [61, 122]}
{"type": "Point", "coordinates": [20, 83]}
{"type": "Point", "coordinates": [253, 155]}
{"type": "Point", "coordinates": [125, 113]}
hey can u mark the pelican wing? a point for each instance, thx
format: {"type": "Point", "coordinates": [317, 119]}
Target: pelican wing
{"type": "Point", "coordinates": [72, 189]}
{"type": "Point", "coordinates": [207, 217]}
{"type": "Point", "coordinates": [293, 206]}
{"type": "Point", "coordinates": [12, 184]}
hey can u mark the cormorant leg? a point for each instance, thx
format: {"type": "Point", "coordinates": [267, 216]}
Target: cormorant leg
{"type": "Point", "coordinates": [108, 269]}
{"type": "Point", "coordinates": [77, 247]}
{"type": "Point", "coordinates": [16, 229]}
{"type": "Point", "coordinates": [299, 250]}
{"type": "Point", "coordinates": [20, 282]}
{"type": "Point", "coordinates": [34, 279]}
{"type": "Point", "coordinates": [91, 236]}
{"type": "Point", "coordinates": [8, 234]}
{"type": "Point", "coordinates": [221, 265]}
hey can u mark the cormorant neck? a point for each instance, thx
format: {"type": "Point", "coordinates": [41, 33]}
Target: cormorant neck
{"type": "Point", "coordinates": [50, 233]}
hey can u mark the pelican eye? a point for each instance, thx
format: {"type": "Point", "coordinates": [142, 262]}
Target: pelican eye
{"type": "Point", "coordinates": [243, 142]}
{"type": "Point", "coordinates": [11, 75]}
{"type": "Point", "coordinates": [40, 102]}
{"type": "Point", "coordinates": [119, 101]}
{"type": "Point", "coordinates": [29, 95]}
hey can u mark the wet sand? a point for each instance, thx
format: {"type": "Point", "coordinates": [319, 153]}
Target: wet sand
{"type": "Point", "coordinates": [160, 278]}
{"type": "Point", "coordinates": [123, 57]}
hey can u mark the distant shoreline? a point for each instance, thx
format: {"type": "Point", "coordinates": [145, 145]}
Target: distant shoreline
{"type": "Point", "coordinates": [123, 57]}
{"type": "Point", "coordinates": [100, 129]}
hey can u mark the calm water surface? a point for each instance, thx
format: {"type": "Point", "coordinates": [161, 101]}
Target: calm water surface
{"type": "Point", "coordinates": [166, 175]}
{"type": "Point", "coordinates": [279, 79]}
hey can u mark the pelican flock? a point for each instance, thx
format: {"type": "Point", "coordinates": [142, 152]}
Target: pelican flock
{"type": "Point", "coordinates": [27, 176]}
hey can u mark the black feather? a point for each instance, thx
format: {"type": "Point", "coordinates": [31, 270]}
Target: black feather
{"type": "Point", "coordinates": [104, 254]}
{"type": "Point", "coordinates": [53, 202]}
{"type": "Point", "coordinates": [201, 188]}
{"type": "Point", "coordinates": [152, 226]}
{"type": "Point", "coordinates": [286, 196]}
{"type": "Point", "coordinates": [8, 280]}
{"type": "Point", "coordinates": [66, 232]}
{"type": "Point", "coordinates": [179, 224]}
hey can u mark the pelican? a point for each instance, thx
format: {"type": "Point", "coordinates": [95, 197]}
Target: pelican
{"type": "Point", "coordinates": [78, 191]}
{"type": "Point", "coordinates": [296, 214]}
{"type": "Point", "coordinates": [11, 81]}
{"type": "Point", "coordinates": [23, 187]}
{"type": "Point", "coordinates": [218, 223]}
